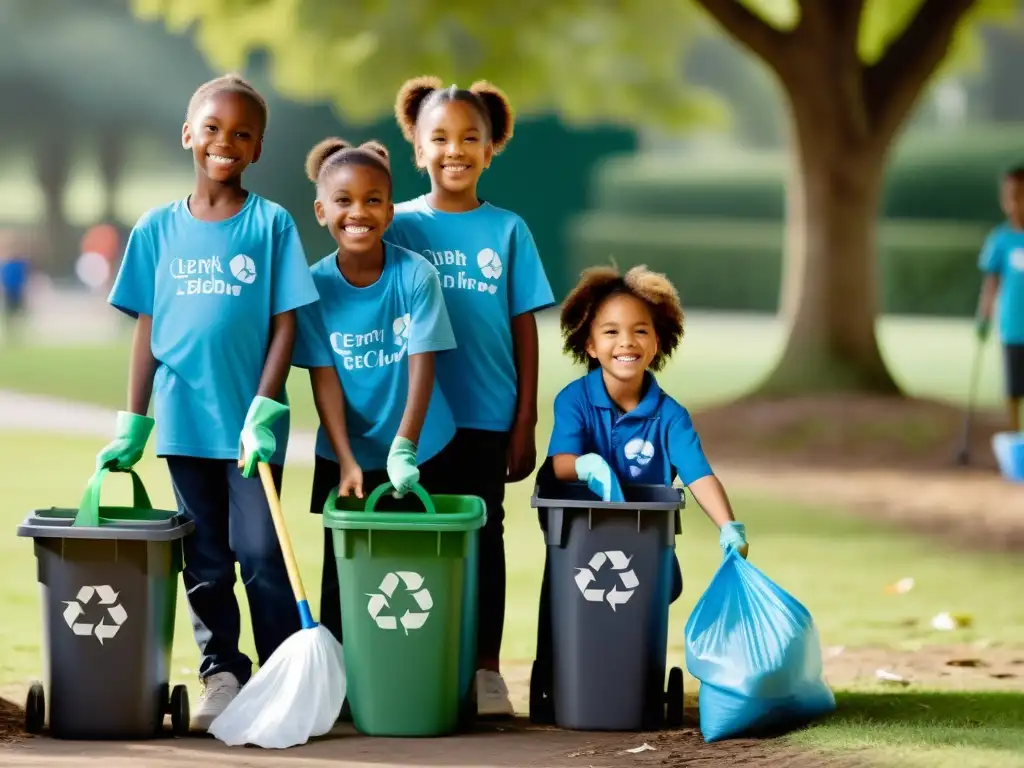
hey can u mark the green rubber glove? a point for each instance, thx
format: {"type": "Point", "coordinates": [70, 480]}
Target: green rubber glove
{"type": "Point", "coordinates": [257, 442]}
{"type": "Point", "coordinates": [402, 470]}
{"type": "Point", "coordinates": [734, 535]}
{"type": "Point", "coordinates": [982, 325]}
{"type": "Point", "coordinates": [127, 447]}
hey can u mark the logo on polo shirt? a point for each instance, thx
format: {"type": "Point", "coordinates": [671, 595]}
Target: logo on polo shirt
{"type": "Point", "coordinates": [639, 453]}
{"type": "Point", "coordinates": [1017, 259]}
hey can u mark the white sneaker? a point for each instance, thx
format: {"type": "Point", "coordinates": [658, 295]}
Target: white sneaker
{"type": "Point", "coordinates": [218, 691]}
{"type": "Point", "coordinates": [492, 695]}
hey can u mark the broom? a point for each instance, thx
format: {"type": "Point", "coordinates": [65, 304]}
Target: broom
{"type": "Point", "coordinates": [298, 693]}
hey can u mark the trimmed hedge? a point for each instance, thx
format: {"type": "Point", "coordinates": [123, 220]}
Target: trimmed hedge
{"type": "Point", "coordinates": [950, 177]}
{"type": "Point", "coordinates": [927, 268]}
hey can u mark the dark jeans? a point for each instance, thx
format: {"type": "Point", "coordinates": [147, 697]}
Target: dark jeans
{"type": "Point", "coordinates": [474, 464]}
{"type": "Point", "coordinates": [233, 522]}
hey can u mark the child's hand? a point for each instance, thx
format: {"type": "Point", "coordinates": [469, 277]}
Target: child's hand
{"type": "Point", "coordinates": [522, 452]}
{"type": "Point", "coordinates": [257, 443]}
{"type": "Point", "coordinates": [734, 535]}
{"type": "Point", "coordinates": [351, 480]}
{"type": "Point", "coordinates": [403, 473]}
{"type": "Point", "coordinates": [599, 477]}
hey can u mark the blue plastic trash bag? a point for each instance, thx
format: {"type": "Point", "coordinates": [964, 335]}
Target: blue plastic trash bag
{"type": "Point", "coordinates": [756, 652]}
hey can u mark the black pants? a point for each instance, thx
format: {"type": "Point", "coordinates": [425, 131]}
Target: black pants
{"type": "Point", "coordinates": [1013, 370]}
{"type": "Point", "coordinates": [474, 464]}
{"type": "Point", "coordinates": [233, 522]}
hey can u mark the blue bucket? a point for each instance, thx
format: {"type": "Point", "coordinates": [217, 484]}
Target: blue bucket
{"type": "Point", "coordinates": [1009, 450]}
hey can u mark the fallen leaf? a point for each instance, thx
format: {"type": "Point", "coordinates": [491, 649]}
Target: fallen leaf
{"type": "Point", "coordinates": [583, 753]}
{"type": "Point", "coordinates": [886, 676]}
{"type": "Point", "coordinates": [901, 587]}
{"type": "Point", "coordinates": [966, 663]}
{"type": "Point", "coordinates": [1003, 675]}
{"type": "Point", "coordinates": [645, 747]}
{"type": "Point", "coordinates": [1017, 662]}
{"type": "Point", "coordinates": [947, 622]}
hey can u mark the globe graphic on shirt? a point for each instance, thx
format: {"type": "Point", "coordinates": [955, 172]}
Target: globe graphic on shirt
{"type": "Point", "coordinates": [243, 268]}
{"type": "Point", "coordinates": [640, 452]}
{"type": "Point", "coordinates": [490, 264]}
{"type": "Point", "coordinates": [401, 328]}
{"type": "Point", "coordinates": [1017, 259]}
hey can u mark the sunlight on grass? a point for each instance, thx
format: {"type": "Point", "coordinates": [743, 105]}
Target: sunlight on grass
{"type": "Point", "coordinates": [927, 729]}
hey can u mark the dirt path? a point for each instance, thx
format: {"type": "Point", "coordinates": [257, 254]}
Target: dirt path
{"type": "Point", "coordinates": [517, 743]}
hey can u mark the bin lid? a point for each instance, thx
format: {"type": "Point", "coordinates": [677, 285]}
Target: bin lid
{"type": "Point", "coordinates": [552, 493]}
{"type": "Point", "coordinates": [120, 523]}
{"type": "Point", "coordinates": [437, 512]}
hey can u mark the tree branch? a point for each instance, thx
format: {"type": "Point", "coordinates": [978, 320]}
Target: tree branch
{"type": "Point", "coordinates": [750, 29]}
{"type": "Point", "coordinates": [894, 83]}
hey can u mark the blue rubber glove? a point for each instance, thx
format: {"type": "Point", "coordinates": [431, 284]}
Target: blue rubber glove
{"type": "Point", "coordinates": [734, 535]}
{"type": "Point", "coordinates": [403, 473]}
{"type": "Point", "coordinates": [599, 477]}
{"type": "Point", "coordinates": [257, 443]}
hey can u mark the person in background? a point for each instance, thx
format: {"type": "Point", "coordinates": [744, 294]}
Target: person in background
{"type": "Point", "coordinates": [15, 270]}
{"type": "Point", "coordinates": [1002, 263]}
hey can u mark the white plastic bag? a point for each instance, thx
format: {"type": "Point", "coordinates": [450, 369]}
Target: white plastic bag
{"type": "Point", "coordinates": [295, 696]}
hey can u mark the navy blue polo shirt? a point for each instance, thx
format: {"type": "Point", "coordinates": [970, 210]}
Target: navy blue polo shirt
{"type": "Point", "coordinates": [649, 445]}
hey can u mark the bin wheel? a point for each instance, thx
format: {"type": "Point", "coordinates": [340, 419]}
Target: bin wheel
{"type": "Point", "coordinates": [542, 706]}
{"type": "Point", "coordinates": [674, 699]}
{"type": "Point", "coordinates": [180, 714]}
{"type": "Point", "coordinates": [35, 709]}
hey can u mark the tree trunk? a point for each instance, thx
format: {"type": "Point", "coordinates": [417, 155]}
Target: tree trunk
{"type": "Point", "coordinates": [110, 147]}
{"type": "Point", "coordinates": [830, 295]}
{"type": "Point", "coordinates": [53, 168]}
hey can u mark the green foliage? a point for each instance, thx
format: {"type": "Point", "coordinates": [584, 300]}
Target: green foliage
{"type": "Point", "coordinates": [574, 57]}
{"type": "Point", "coordinates": [926, 267]}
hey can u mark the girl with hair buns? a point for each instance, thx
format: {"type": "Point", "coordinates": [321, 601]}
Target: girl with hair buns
{"type": "Point", "coordinates": [369, 345]}
{"type": "Point", "coordinates": [493, 283]}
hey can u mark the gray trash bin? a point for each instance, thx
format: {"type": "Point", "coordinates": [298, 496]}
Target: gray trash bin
{"type": "Point", "coordinates": [605, 599]}
{"type": "Point", "coordinates": [109, 580]}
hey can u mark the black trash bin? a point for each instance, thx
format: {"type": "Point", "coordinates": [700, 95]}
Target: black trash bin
{"type": "Point", "coordinates": [603, 624]}
{"type": "Point", "coordinates": [109, 579]}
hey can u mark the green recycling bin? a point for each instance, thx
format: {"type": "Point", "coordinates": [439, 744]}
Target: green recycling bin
{"type": "Point", "coordinates": [109, 580]}
{"type": "Point", "coordinates": [408, 603]}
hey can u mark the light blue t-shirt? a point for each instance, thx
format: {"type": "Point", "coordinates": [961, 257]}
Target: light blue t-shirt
{"type": "Point", "coordinates": [1003, 255]}
{"type": "Point", "coordinates": [367, 334]}
{"type": "Point", "coordinates": [490, 272]}
{"type": "Point", "coordinates": [648, 445]}
{"type": "Point", "coordinates": [211, 288]}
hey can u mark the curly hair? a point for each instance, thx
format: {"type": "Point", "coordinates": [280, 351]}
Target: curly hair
{"type": "Point", "coordinates": [230, 83]}
{"type": "Point", "coordinates": [420, 94]}
{"type": "Point", "coordinates": [597, 285]}
{"type": "Point", "coordinates": [333, 152]}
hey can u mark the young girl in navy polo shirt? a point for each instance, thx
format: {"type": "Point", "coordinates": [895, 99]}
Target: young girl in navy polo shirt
{"type": "Point", "coordinates": [616, 422]}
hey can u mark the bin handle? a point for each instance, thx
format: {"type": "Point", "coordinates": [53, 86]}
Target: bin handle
{"type": "Point", "coordinates": [89, 509]}
{"type": "Point", "coordinates": [419, 490]}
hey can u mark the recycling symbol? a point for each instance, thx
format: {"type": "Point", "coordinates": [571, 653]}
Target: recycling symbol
{"type": "Point", "coordinates": [103, 631]}
{"type": "Point", "coordinates": [615, 596]}
{"type": "Point", "coordinates": [410, 619]}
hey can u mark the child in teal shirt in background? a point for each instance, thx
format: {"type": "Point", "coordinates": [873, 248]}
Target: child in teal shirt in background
{"type": "Point", "coordinates": [1002, 262]}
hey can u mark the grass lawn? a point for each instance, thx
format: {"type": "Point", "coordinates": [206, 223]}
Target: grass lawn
{"type": "Point", "coordinates": [722, 357]}
{"type": "Point", "coordinates": [836, 564]}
